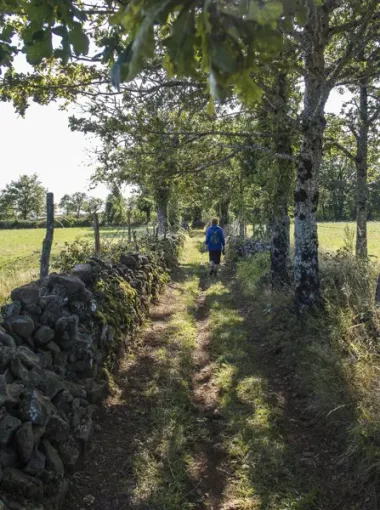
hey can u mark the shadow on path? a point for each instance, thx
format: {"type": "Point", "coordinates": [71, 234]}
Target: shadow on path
{"type": "Point", "coordinates": [199, 420]}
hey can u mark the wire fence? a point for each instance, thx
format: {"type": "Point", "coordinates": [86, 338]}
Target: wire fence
{"type": "Point", "coordinates": [22, 269]}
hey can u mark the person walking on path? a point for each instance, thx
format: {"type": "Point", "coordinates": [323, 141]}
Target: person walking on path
{"type": "Point", "coordinates": [215, 244]}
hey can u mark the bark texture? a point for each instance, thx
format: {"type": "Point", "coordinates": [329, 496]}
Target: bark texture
{"type": "Point", "coordinates": [361, 162]}
{"type": "Point", "coordinates": [224, 213]}
{"type": "Point", "coordinates": [315, 37]}
{"type": "Point", "coordinates": [162, 201]}
{"type": "Point", "coordinates": [284, 175]}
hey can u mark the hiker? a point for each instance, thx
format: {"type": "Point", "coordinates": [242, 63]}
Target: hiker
{"type": "Point", "coordinates": [215, 244]}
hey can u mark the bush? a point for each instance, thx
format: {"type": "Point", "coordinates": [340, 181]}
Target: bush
{"type": "Point", "coordinates": [75, 253]}
{"type": "Point", "coordinates": [253, 273]}
{"type": "Point", "coordinates": [19, 224]}
{"type": "Point", "coordinates": [66, 221]}
{"type": "Point", "coordinates": [70, 221]}
{"type": "Point", "coordinates": [80, 250]}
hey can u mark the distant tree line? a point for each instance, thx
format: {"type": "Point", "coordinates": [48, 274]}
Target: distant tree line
{"type": "Point", "coordinates": [22, 205]}
{"type": "Point", "coordinates": [337, 182]}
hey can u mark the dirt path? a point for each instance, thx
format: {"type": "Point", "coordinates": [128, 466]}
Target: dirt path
{"type": "Point", "coordinates": [204, 418]}
{"type": "Point", "coordinates": [107, 483]}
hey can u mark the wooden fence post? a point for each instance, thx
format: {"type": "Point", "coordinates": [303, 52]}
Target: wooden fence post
{"type": "Point", "coordinates": [129, 225]}
{"type": "Point", "coordinates": [96, 234]}
{"type": "Point", "coordinates": [48, 241]}
{"type": "Point", "coordinates": [135, 240]}
{"type": "Point", "coordinates": [377, 294]}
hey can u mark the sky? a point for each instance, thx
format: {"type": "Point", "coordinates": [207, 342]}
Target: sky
{"type": "Point", "coordinates": [42, 143]}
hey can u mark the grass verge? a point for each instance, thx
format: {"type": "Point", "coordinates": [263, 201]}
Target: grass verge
{"type": "Point", "coordinates": [332, 358]}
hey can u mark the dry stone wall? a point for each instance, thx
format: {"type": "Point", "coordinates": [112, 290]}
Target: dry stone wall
{"type": "Point", "coordinates": [59, 338]}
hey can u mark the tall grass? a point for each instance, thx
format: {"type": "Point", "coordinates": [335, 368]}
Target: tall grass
{"type": "Point", "coordinates": [334, 353]}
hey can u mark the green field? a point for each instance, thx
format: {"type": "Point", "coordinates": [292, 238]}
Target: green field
{"type": "Point", "coordinates": [332, 236]}
{"type": "Point", "coordinates": [20, 249]}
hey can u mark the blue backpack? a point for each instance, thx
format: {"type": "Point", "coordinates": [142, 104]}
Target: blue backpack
{"type": "Point", "coordinates": [215, 237]}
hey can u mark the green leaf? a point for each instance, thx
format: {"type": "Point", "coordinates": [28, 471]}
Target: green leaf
{"type": "Point", "coordinates": [5, 54]}
{"type": "Point", "coordinates": [180, 44]}
{"type": "Point", "coordinates": [267, 14]}
{"type": "Point", "coordinates": [60, 30]}
{"type": "Point", "coordinates": [301, 15]}
{"type": "Point", "coordinates": [143, 42]}
{"type": "Point", "coordinates": [168, 66]}
{"type": "Point", "coordinates": [223, 58]}
{"type": "Point", "coordinates": [39, 11]}
{"type": "Point", "coordinates": [246, 89]}
{"type": "Point", "coordinates": [7, 33]}
{"type": "Point", "coordinates": [142, 47]}
{"type": "Point", "coordinates": [30, 30]}
{"type": "Point", "coordinates": [218, 89]}
{"type": "Point", "coordinates": [39, 49]}
{"type": "Point", "coordinates": [79, 40]}
{"type": "Point", "coordinates": [210, 109]}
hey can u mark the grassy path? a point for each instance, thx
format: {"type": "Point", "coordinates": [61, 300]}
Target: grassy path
{"type": "Point", "coordinates": [202, 418]}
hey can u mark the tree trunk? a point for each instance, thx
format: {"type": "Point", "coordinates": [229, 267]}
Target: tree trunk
{"type": "Point", "coordinates": [361, 162]}
{"type": "Point", "coordinates": [197, 217]}
{"type": "Point", "coordinates": [224, 213]}
{"type": "Point", "coordinates": [280, 227]}
{"type": "Point", "coordinates": [241, 225]}
{"type": "Point", "coordinates": [162, 202]}
{"type": "Point", "coordinates": [306, 277]}
{"type": "Point", "coordinates": [280, 249]}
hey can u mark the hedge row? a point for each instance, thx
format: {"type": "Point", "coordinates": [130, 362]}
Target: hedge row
{"type": "Point", "coordinates": [59, 223]}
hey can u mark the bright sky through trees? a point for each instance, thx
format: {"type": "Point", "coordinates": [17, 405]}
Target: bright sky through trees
{"type": "Point", "coordinates": [35, 144]}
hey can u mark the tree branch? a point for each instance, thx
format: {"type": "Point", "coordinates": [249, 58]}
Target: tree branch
{"type": "Point", "coordinates": [278, 155]}
{"type": "Point", "coordinates": [374, 117]}
{"type": "Point", "coordinates": [353, 130]}
{"type": "Point", "coordinates": [353, 43]}
{"type": "Point", "coordinates": [212, 163]}
{"type": "Point", "coordinates": [341, 147]}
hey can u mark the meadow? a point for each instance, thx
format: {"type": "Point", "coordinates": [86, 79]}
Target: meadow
{"type": "Point", "coordinates": [20, 249]}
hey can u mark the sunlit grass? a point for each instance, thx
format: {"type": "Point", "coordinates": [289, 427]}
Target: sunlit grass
{"type": "Point", "coordinates": [331, 236]}
{"type": "Point", "coordinates": [266, 474]}
{"type": "Point", "coordinates": [20, 251]}
{"type": "Point", "coordinates": [161, 466]}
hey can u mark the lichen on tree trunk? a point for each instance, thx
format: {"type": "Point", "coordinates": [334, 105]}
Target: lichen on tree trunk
{"type": "Point", "coordinates": [280, 224]}
{"type": "Point", "coordinates": [306, 277]}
